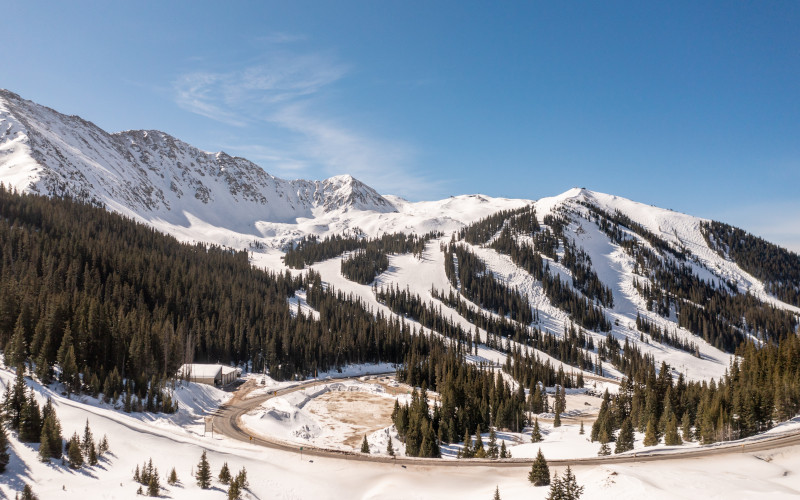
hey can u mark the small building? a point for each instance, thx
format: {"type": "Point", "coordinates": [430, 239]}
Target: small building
{"type": "Point", "coordinates": [217, 375]}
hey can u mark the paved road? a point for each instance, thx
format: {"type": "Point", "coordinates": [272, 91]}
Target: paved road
{"type": "Point", "coordinates": [227, 421]}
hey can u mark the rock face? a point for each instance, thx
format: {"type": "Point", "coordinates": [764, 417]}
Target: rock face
{"type": "Point", "coordinates": [148, 173]}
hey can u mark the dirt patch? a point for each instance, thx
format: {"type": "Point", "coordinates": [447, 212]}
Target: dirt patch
{"type": "Point", "coordinates": [356, 413]}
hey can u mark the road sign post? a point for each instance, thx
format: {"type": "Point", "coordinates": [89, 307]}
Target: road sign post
{"type": "Point", "coordinates": [209, 426]}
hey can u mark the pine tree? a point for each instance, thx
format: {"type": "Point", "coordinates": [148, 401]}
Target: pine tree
{"type": "Point", "coordinates": [224, 474]}
{"type": "Point", "coordinates": [69, 371]}
{"type": "Point", "coordinates": [671, 436]}
{"type": "Point", "coordinates": [566, 488]}
{"type": "Point", "coordinates": [88, 439]}
{"type": "Point", "coordinates": [536, 434]}
{"type": "Point", "coordinates": [466, 449]}
{"type": "Point", "coordinates": [625, 440]}
{"type": "Point", "coordinates": [92, 456]}
{"type": "Point", "coordinates": [30, 425]}
{"type": "Point", "coordinates": [4, 457]}
{"type": "Point", "coordinates": [492, 451]}
{"type": "Point", "coordinates": [581, 432]}
{"type": "Point", "coordinates": [496, 493]}
{"type": "Point", "coordinates": [686, 427]}
{"type": "Point", "coordinates": [650, 436]}
{"type": "Point", "coordinates": [74, 454]}
{"type": "Point", "coordinates": [15, 399]}
{"type": "Point", "coordinates": [16, 352]}
{"type": "Point", "coordinates": [102, 449]}
{"type": "Point", "coordinates": [234, 491]}
{"type": "Point", "coordinates": [557, 418]}
{"type": "Point", "coordinates": [173, 477]}
{"type": "Point", "coordinates": [51, 435]}
{"type": "Point", "coordinates": [153, 484]}
{"type": "Point", "coordinates": [479, 451]}
{"type": "Point", "coordinates": [203, 473]}
{"type": "Point", "coordinates": [504, 453]}
{"type": "Point", "coordinates": [389, 447]}
{"type": "Point", "coordinates": [28, 494]}
{"type": "Point", "coordinates": [137, 476]}
{"type": "Point", "coordinates": [539, 474]}
{"type": "Point", "coordinates": [241, 478]}
{"type": "Point", "coordinates": [365, 445]}
{"type": "Point", "coordinates": [604, 451]}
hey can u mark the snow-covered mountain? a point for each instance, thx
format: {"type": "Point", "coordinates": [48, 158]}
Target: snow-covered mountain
{"type": "Point", "coordinates": [213, 197]}
{"type": "Point", "coordinates": [149, 174]}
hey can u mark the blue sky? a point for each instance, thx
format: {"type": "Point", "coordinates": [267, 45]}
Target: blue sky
{"type": "Point", "coordinates": [692, 106]}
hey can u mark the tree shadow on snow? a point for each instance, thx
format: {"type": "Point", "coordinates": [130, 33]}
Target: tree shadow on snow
{"type": "Point", "coordinates": [17, 473]}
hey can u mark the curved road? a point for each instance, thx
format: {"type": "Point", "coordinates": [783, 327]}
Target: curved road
{"type": "Point", "coordinates": [227, 421]}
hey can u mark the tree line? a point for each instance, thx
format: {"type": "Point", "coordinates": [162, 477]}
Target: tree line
{"type": "Point", "coordinates": [311, 249]}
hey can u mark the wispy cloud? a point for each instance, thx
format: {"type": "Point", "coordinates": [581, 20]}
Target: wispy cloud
{"type": "Point", "coordinates": [285, 94]}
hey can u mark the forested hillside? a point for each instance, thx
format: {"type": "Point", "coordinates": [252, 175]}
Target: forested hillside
{"type": "Point", "coordinates": [112, 299]}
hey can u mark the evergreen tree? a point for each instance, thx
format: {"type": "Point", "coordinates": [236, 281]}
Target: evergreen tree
{"type": "Point", "coordinates": [234, 491]}
{"type": "Point", "coordinates": [102, 449]}
{"type": "Point", "coordinates": [566, 488]}
{"type": "Point", "coordinates": [496, 493]}
{"type": "Point", "coordinates": [241, 478]}
{"type": "Point", "coordinates": [92, 458]}
{"type": "Point", "coordinates": [16, 352]}
{"type": "Point", "coordinates": [604, 451]}
{"type": "Point", "coordinates": [626, 437]}
{"type": "Point", "coordinates": [153, 484]}
{"type": "Point", "coordinates": [15, 399]}
{"type": "Point", "coordinates": [172, 480]}
{"type": "Point", "coordinates": [74, 454]}
{"type": "Point", "coordinates": [536, 434]}
{"type": "Point", "coordinates": [556, 489]}
{"type": "Point", "coordinates": [466, 449]}
{"type": "Point", "coordinates": [87, 443]}
{"type": "Point", "coordinates": [650, 436]}
{"type": "Point", "coordinates": [28, 494]}
{"type": "Point", "coordinates": [504, 453]}
{"type": "Point", "coordinates": [50, 437]}
{"type": "Point", "coordinates": [389, 447]}
{"type": "Point", "coordinates": [557, 420]}
{"type": "Point", "coordinates": [365, 445]}
{"type": "Point", "coordinates": [30, 425]}
{"type": "Point", "coordinates": [581, 431]}
{"type": "Point", "coordinates": [4, 457]}
{"type": "Point", "coordinates": [492, 451]}
{"type": "Point", "coordinates": [479, 451]}
{"type": "Point", "coordinates": [203, 474]}
{"type": "Point", "coordinates": [539, 474]}
{"type": "Point", "coordinates": [671, 436]}
{"type": "Point", "coordinates": [225, 474]}
{"type": "Point", "coordinates": [69, 371]}
{"type": "Point", "coordinates": [686, 427]}
{"type": "Point", "coordinates": [137, 476]}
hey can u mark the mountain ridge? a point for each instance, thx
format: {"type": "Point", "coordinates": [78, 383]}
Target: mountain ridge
{"type": "Point", "coordinates": [149, 172]}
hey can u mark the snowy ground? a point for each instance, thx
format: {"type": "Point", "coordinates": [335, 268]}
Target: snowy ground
{"type": "Point", "coordinates": [282, 475]}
